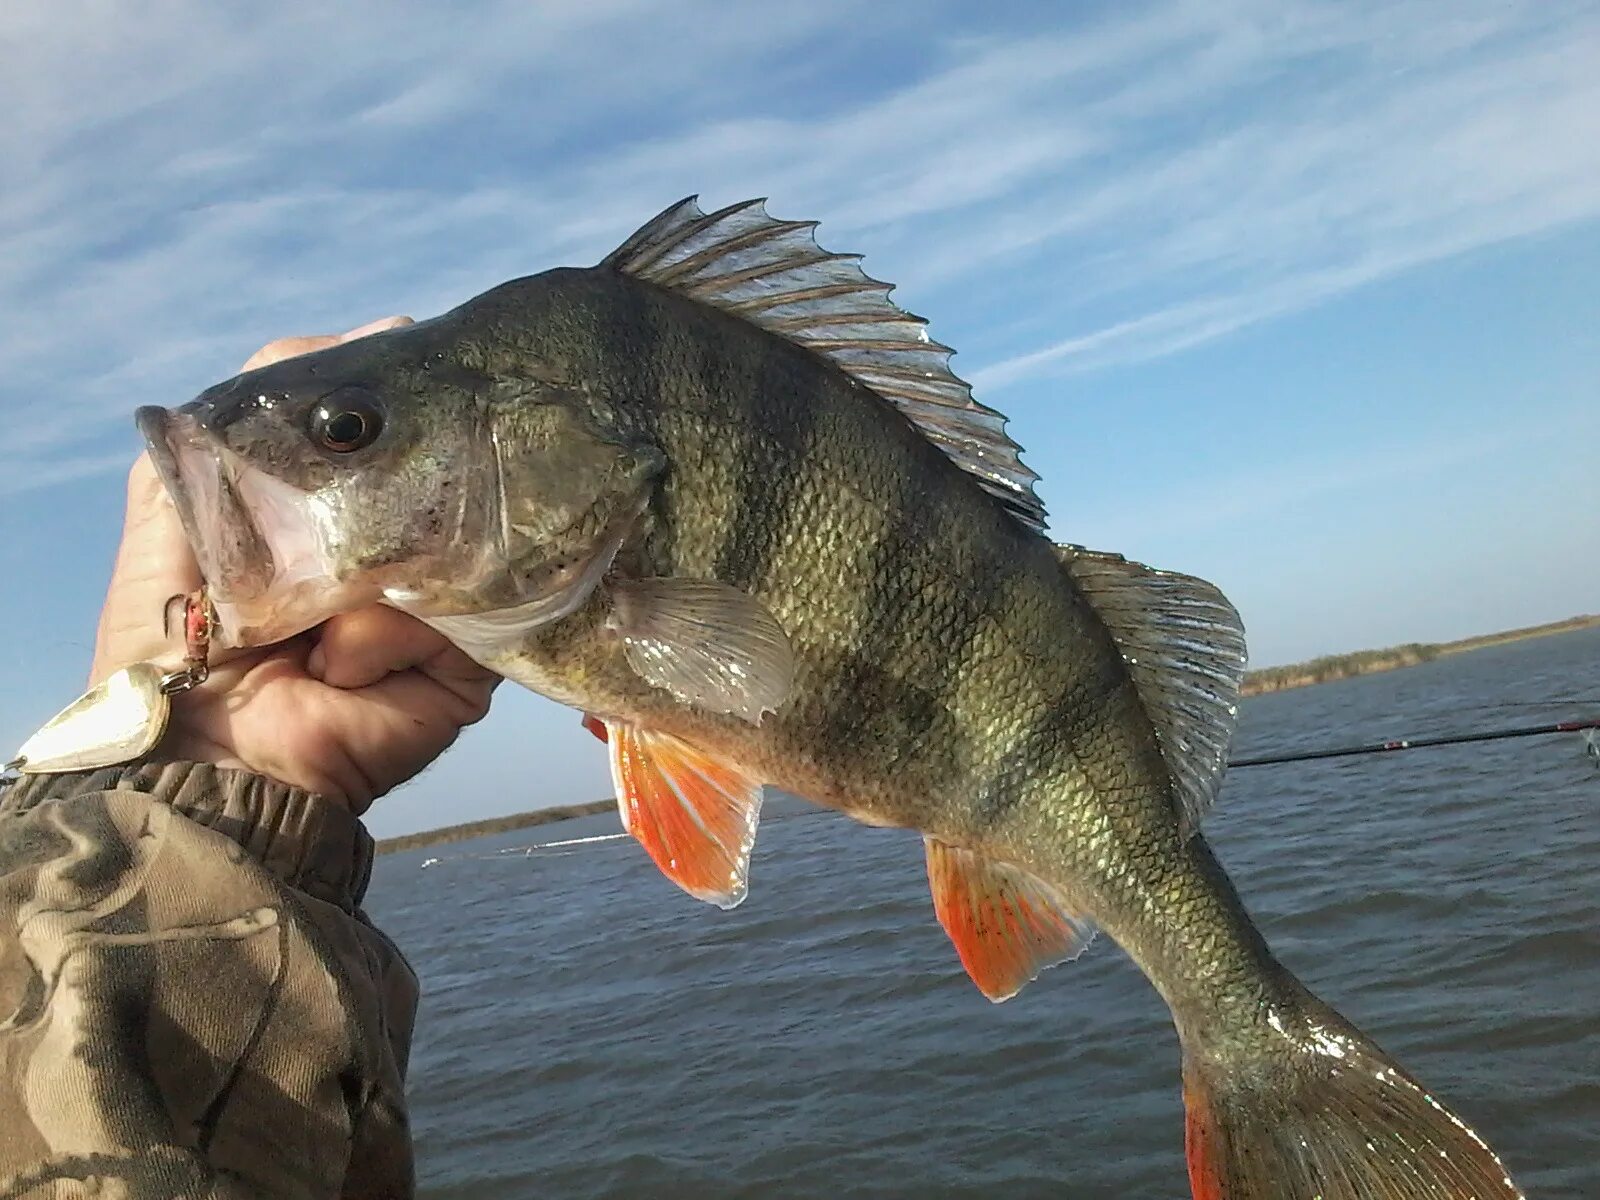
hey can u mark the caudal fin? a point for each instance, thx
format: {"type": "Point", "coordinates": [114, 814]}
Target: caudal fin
{"type": "Point", "coordinates": [1323, 1113]}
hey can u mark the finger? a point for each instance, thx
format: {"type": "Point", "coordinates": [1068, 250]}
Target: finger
{"type": "Point", "coordinates": [357, 649]}
{"type": "Point", "coordinates": [400, 725]}
{"type": "Point", "coordinates": [381, 325]}
{"type": "Point", "coordinates": [291, 347]}
{"type": "Point", "coordinates": [349, 745]}
{"type": "Point", "coordinates": [365, 743]}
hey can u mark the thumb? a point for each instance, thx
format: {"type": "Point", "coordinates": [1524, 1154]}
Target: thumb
{"type": "Point", "coordinates": [154, 563]}
{"type": "Point", "coordinates": [291, 347]}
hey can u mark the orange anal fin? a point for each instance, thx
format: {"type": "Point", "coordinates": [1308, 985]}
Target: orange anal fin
{"type": "Point", "coordinates": [695, 815]}
{"type": "Point", "coordinates": [1007, 925]}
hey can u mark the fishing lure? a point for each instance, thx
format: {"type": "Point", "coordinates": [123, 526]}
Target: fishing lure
{"type": "Point", "coordinates": [123, 717]}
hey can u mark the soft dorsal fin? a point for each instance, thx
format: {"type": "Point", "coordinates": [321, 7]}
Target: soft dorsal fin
{"type": "Point", "coordinates": [774, 275]}
{"type": "Point", "coordinates": [1184, 645]}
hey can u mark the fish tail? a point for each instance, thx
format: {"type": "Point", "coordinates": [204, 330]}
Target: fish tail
{"type": "Point", "coordinates": [1313, 1108]}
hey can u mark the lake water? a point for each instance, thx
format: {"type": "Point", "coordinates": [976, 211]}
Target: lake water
{"type": "Point", "coordinates": [589, 1031]}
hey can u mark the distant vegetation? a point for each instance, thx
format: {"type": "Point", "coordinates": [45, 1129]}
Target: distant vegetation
{"type": "Point", "coordinates": [475, 829]}
{"type": "Point", "coordinates": [1368, 662]}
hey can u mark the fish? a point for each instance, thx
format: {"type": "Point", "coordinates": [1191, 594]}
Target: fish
{"type": "Point", "coordinates": [722, 495]}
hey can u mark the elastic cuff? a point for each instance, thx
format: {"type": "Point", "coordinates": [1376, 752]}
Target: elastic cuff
{"type": "Point", "coordinates": [307, 841]}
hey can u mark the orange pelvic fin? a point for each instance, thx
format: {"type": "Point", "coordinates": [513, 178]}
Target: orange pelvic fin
{"type": "Point", "coordinates": [595, 725]}
{"type": "Point", "coordinates": [1007, 925]}
{"type": "Point", "coordinates": [695, 815]}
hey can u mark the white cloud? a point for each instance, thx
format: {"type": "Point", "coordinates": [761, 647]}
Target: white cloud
{"type": "Point", "coordinates": [1136, 183]}
{"type": "Point", "coordinates": [1228, 498]}
{"type": "Point", "coordinates": [61, 470]}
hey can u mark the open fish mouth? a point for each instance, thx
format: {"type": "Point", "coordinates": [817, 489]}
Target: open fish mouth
{"type": "Point", "coordinates": [262, 545]}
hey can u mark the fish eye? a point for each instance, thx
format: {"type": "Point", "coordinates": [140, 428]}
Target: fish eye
{"type": "Point", "coordinates": [346, 421]}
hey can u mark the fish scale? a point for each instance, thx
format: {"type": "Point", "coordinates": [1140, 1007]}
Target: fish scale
{"type": "Point", "coordinates": [1108, 826]}
{"type": "Point", "coordinates": [722, 495]}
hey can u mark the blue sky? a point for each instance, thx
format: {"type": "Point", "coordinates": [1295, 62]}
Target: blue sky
{"type": "Point", "coordinates": [1298, 296]}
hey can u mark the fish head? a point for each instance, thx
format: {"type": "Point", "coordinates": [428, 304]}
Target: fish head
{"type": "Point", "coordinates": [393, 469]}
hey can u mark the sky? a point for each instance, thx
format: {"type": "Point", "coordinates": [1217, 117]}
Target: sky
{"type": "Point", "coordinates": [1295, 295]}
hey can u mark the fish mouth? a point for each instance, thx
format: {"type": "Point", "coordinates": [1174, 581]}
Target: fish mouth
{"type": "Point", "coordinates": [160, 430]}
{"type": "Point", "coordinates": [263, 546]}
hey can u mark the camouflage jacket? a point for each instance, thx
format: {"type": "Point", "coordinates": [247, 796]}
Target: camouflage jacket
{"type": "Point", "coordinates": [192, 1003]}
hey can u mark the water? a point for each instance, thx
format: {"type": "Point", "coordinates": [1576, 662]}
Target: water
{"type": "Point", "coordinates": [588, 1031]}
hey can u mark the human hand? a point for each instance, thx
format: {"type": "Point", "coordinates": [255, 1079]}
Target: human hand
{"type": "Point", "coordinates": [349, 709]}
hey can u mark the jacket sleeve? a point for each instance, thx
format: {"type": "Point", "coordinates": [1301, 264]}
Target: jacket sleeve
{"type": "Point", "coordinates": [192, 1002]}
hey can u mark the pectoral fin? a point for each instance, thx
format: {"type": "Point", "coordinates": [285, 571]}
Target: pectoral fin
{"type": "Point", "coordinates": [695, 815]}
{"type": "Point", "coordinates": [1007, 925]}
{"type": "Point", "coordinates": [708, 644]}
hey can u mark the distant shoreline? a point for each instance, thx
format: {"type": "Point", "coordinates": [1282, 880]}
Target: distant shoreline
{"type": "Point", "coordinates": [476, 829]}
{"type": "Point", "coordinates": [1370, 662]}
{"type": "Point", "coordinates": [1256, 683]}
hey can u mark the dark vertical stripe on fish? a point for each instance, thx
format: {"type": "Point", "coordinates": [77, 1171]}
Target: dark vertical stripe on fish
{"type": "Point", "coordinates": [631, 319]}
{"type": "Point", "coordinates": [892, 676]}
{"type": "Point", "coordinates": [1039, 734]}
{"type": "Point", "coordinates": [766, 482]}
{"type": "Point", "coordinates": [1069, 717]}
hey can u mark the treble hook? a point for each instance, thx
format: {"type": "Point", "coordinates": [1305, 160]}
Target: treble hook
{"type": "Point", "coordinates": [166, 611]}
{"type": "Point", "coordinates": [198, 624]}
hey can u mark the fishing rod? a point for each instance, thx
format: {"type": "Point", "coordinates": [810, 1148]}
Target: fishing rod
{"type": "Point", "coordinates": [1589, 727]}
{"type": "Point", "coordinates": [1452, 739]}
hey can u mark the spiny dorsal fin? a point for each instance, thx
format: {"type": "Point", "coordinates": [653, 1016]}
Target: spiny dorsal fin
{"type": "Point", "coordinates": [1184, 645]}
{"type": "Point", "coordinates": [774, 275]}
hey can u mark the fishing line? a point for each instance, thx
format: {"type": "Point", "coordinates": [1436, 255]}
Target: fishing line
{"type": "Point", "coordinates": [563, 846]}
